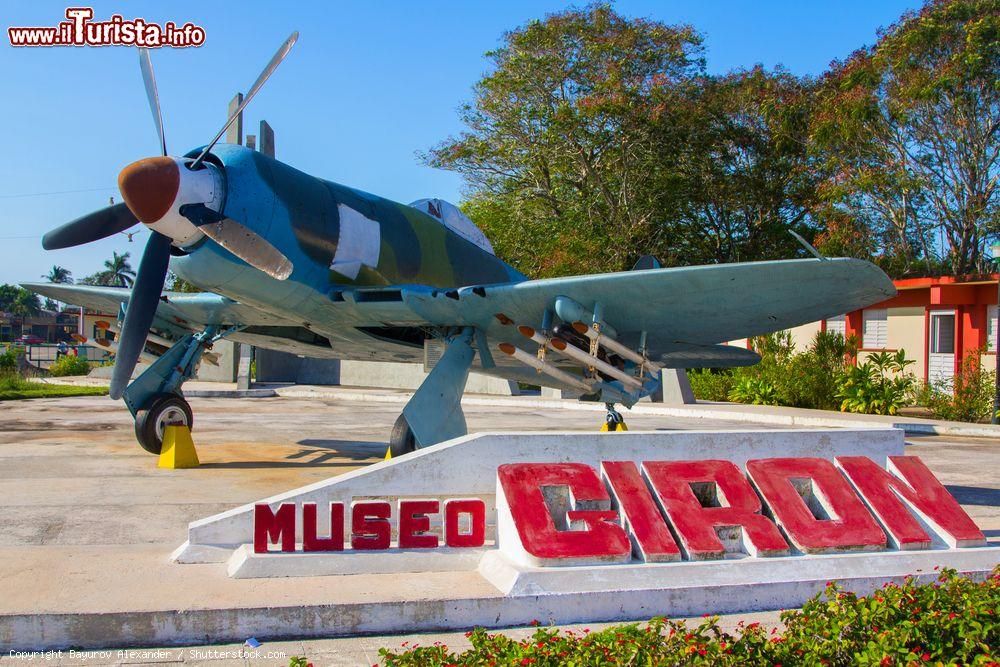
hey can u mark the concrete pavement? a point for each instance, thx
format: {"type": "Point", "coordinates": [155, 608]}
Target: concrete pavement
{"type": "Point", "coordinates": [87, 519]}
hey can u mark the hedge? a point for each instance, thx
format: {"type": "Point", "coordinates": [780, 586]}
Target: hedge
{"type": "Point", "coordinates": [950, 621]}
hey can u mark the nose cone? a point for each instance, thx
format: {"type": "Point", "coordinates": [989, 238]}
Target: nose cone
{"type": "Point", "coordinates": [150, 187]}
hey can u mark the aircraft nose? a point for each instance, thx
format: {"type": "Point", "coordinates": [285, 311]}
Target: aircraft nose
{"type": "Point", "coordinates": [150, 187]}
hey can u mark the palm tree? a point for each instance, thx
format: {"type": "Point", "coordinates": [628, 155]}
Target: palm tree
{"type": "Point", "coordinates": [117, 272]}
{"type": "Point", "coordinates": [58, 274]}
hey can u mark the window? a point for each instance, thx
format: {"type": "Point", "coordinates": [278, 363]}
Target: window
{"type": "Point", "coordinates": [991, 329]}
{"type": "Point", "coordinates": [943, 334]}
{"type": "Point", "coordinates": [874, 329]}
{"type": "Point", "coordinates": [837, 324]}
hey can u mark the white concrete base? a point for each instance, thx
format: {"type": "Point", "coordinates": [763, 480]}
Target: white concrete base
{"type": "Point", "coordinates": [466, 467]}
{"type": "Point", "coordinates": [245, 564]}
{"type": "Point", "coordinates": [381, 614]}
{"type": "Point", "coordinates": [746, 581]}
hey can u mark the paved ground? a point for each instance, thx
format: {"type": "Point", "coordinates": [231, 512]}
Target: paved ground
{"type": "Point", "coordinates": [78, 493]}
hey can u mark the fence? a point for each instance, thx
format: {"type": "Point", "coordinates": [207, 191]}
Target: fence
{"type": "Point", "coordinates": [37, 354]}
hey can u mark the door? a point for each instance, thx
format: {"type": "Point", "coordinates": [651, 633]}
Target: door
{"type": "Point", "coordinates": [941, 348]}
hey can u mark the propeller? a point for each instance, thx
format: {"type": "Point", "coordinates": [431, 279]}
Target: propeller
{"type": "Point", "coordinates": [264, 75]}
{"type": "Point", "coordinates": [239, 240]}
{"type": "Point", "coordinates": [141, 309]}
{"type": "Point", "coordinates": [91, 227]}
{"type": "Point", "coordinates": [146, 65]}
{"type": "Point", "coordinates": [155, 190]}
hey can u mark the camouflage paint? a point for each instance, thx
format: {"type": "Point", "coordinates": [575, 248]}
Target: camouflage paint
{"type": "Point", "coordinates": [274, 199]}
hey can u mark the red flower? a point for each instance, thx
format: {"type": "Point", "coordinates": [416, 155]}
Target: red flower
{"type": "Point", "coordinates": [925, 657]}
{"type": "Point", "coordinates": [886, 661]}
{"type": "Point", "coordinates": [535, 622]}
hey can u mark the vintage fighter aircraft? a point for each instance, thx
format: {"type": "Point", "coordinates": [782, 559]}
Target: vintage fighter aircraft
{"type": "Point", "coordinates": [295, 263]}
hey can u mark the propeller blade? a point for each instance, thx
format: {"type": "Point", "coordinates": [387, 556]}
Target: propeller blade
{"type": "Point", "coordinates": [140, 311]}
{"type": "Point", "coordinates": [91, 227]}
{"type": "Point", "coordinates": [240, 240]}
{"type": "Point", "coordinates": [271, 66]}
{"type": "Point", "coordinates": [146, 65]}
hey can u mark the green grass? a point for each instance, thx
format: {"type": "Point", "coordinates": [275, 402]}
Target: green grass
{"type": "Point", "coordinates": [14, 388]}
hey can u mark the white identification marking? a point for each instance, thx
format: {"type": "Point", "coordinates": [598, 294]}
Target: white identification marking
{"type": "Point", "coordinates": [359, 242]}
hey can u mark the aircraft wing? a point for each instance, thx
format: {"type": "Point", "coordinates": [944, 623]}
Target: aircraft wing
{"type": "Point", "coordinates": [680, 309]}
{"type": "Point", "coordinates": [190, 312]}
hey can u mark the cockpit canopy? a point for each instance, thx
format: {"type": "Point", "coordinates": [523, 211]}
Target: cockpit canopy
{"type": "Point", "coordinates": [453, 218]}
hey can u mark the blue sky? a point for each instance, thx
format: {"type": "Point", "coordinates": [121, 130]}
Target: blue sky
{"type": "Point", "coordinates": [368, 85]}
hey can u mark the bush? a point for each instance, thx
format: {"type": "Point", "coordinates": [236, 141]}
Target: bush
{"type": "Point", "coordinates": [953, 620]}
{"type": "Point", "coordinates": [968, 398]}
{"type": "Point", "coordinates": [69, 365]}
{"type": "Point", "coordinates": [806, 379]}
{"type": "Point", "coordinates": [710, 384]}
{"type": "Point", "coordinates": [8, 362]}
{"type": "Point", "coordinates": [754, 390]}
{"type": "Point", "coordinates": [879, 386]}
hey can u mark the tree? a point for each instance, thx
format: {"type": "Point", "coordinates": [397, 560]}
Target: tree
{"type": "Point", "coordinates": [911, 132]}
{"type": "Point", "coordinates": [19, 302]}
{"type": "Point", "coordinates": [117, 272]}
{"type": "Point", "coordinates": [177, 284]}
{"type": "Point", "coordinates": [558, 143]}
{"type": "Point", "coordinates": [745, 172]}
{"type": "Point", "coordinates": [58, 274]}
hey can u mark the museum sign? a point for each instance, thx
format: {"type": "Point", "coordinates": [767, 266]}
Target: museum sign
{"type": "Point", "coordinates": [552, 514]}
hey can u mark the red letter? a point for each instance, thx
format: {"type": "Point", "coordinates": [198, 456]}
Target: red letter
{"type": "Point", "coordinates": [639, 514]}
{"type": "Point", "coordinates": [310, 542]}
{"type": "Point", "coordinates": [476, 509]}
{"type": "Point", "coordinates": [273, 526]}
{"type": "Point", "coordinates": [924, 496]}
{"type": "Point", "coordinates": [834, 519]}
{"type": "Point", "coordinates": [414, 524]}
{"type": "Point", "coordinates": [731, 504]}
{"type": "Point", "coordinates": [584, 535]}
{"type": "Point", "coordinates": [370, 529]}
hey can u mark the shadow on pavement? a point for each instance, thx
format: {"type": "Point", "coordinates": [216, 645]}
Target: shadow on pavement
{"type": "Point", "coordinates": [975, 495]}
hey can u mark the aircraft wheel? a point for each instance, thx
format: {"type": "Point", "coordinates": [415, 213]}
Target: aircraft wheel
{"type": "Point", "coordinates": [401, 440]}
{"type": "Point", "coordinates": [151, 421]}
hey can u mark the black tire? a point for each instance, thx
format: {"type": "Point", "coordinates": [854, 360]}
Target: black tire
{"type": "Point", "coordinates": [401, 440]}
{"type": "Point", "coordinates": [151, 420]}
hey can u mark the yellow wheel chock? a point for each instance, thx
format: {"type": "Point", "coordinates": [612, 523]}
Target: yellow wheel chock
{"type": "Point", "coordinates": [178, 448]}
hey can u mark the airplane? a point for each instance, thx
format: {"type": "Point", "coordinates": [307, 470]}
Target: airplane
{"type": "Point", "coordinates": [295, 263]}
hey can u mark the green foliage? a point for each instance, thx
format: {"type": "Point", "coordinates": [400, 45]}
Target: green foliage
{"type": "Point", "coordinates": [69, 364]}
{"type": "Point", "coordinates": [709, 384]}
{"type": "Point", "coordinates": [13, 387]}
{"type": "Point", "coordinates": [58, 274]}
{"type": "Point", "coordinates": [18, 301]}
{"type": "Point", "coordinates": [8, 360]}
{"type": "Point", "coordinates": [905, 131]}
{"type": "Point", "coordinates": [596, 138]}
{"type": "Point", "coordinates": [806, 379]}
{"type": "Point", "coordinates": [177, 284]}
{"type": "Point", "coordinates": [117, 272]}
{"type": "Point", "coordinates": [953, 620]}
{"type": "Point", "coordinates": [968, 397]}
{"type": "Point", "coordinates": [754, 390]}
{"type": "Point", "coordinates": [878, 386]}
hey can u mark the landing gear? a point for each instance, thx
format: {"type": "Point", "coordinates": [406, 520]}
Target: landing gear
{"type": "Point", "coordinates": [614, 420]}
{"type": "Point", "coordinates": [154, 398]}
{"type": "Point", "coordinates": [402, 441]}
{"type": "Point", "coordinates": [151, 421]}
